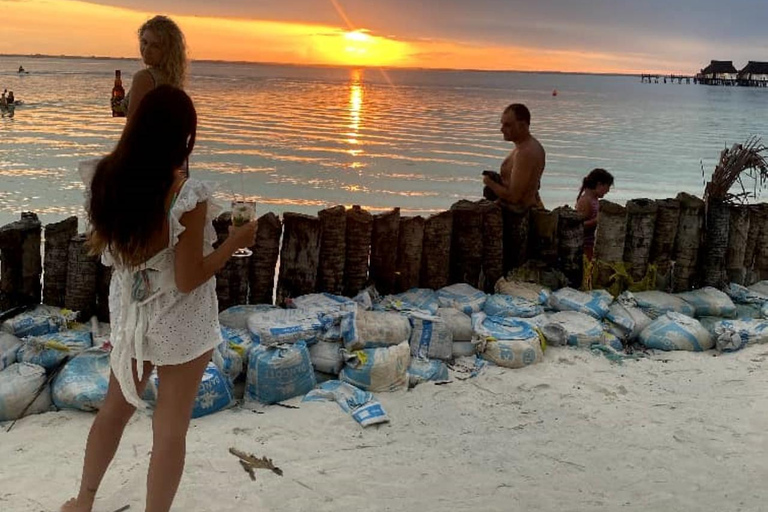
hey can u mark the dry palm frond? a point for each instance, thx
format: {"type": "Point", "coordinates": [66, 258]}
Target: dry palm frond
{"type": "Point", "coordinates": [741, 160]}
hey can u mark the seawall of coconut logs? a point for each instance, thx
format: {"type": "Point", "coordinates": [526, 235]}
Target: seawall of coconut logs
{"type": "Point", "coordinates": [668, 244]}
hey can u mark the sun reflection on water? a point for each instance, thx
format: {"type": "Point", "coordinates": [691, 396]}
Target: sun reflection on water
{"type": "Point", "coordinates": [355, 113]}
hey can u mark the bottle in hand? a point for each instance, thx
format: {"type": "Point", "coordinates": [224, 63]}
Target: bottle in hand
{"type": "Point", "coordinates": [242, 213]}
{"type": "Point", "coordinates": [118, 95]}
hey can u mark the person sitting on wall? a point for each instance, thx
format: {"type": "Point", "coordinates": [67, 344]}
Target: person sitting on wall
{"type": "Point", "coordinates": [594, 186]}
{"type": "Point", "coordinates": [518, 183]}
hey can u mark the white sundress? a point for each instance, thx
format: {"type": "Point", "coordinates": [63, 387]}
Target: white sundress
{"type": "Point", "coordinates": [151, 319]}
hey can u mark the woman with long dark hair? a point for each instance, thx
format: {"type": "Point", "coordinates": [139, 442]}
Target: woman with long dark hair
{"type": "Point", "coordinates": [594, 186]}
{"type": "Point", "coordinates": [154, 227]}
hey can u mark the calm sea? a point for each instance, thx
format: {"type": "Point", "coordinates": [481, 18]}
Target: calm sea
{"type": "Point", "coordinates": [302, 139]}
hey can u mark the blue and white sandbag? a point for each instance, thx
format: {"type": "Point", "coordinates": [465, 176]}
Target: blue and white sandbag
{"type": "Point", "coordinates": [461, 296]}
{"type": "Point", "coordinates": [39, 321]}
{"type": "Point", "coordinates": [327, 357]}
{"type": "Point", "coordinates": [279, 326]}
{"type": "Point", "coordinates": [230, 355]}
{"type": "Point", "coordinates": [743, 295]}
{"type": "Point", "coordinates": [514, 353]}
{"type": "Point", "coordinates": [372, 329]}
{"type": "Point", "coordinates": [277, 373]}
{"type": "Point", "coordinates": [361, 405]}
{"type": "Point", "coordinates": [509, 305]}
{"type": "Point", "coordinates": [378, 369]}
{"type": "Point", "coordinates": [236, 317]}
{"type": "Point", "coordinates": [82, 383]}
{"type": "Point", "coordinates": [18, 385]}
{"type": "Point", "coordinates": [502, 327]}
{"type": "Point", "coordinates": [709, 301]}
{"type": "Point", "coordinates": [572, 328]}
{"type": "Point", "coordinates": [430, 337]}
{"type": "Point", "coordinates": [764, 310]}
{"type": "Point", "coordinates": [733, 335]}
{"type": "Point", "coordinates": [626, 322]}
{"type": "Point", "coordinates": [9, 345]}
{"type": "Point", "coordinates": [532, 292]}
{"type": "Point", "coordinates": [425, 370]}
{"type": "Point", "coordinates": [458, 322]}
{"type": "Point", "coordinates": [418, 300]}
{"type": "Point", "coordinates": [49, 350]}
{"type": "Point", "coordinates": [595, 303]}
{"type": "Point", "coordinates": [675, 331]}
{"type": "Point", "coordinates": [655, 303]}
{"type": "Point", "coordinates": [760, 287]}
{"type": "Point", "coordinates": [748, 311]}
{"type": "Point", "coordinates": [323, 302]}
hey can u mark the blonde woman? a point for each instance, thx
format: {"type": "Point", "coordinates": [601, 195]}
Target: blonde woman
{"type": "Point", "coordinates": [164, 52]}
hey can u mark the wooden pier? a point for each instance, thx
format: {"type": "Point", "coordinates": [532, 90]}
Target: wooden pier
{"type": "Point", "coordinates": [651, 78]}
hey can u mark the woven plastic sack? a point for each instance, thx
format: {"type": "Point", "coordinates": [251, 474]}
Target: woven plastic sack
{"type": "Point", "coordinates": [655, 303]}
{"type": "Point", "coordinates": [327, 357]}
{"type": "Point", "coordinates": [743, 295]}
{"type": "Point", "coordinates": [236, 317]}
{"type": "Point", "coordinates": [18, 385]}
{"type": "Point", "coordinates": [572, 328]}
{"type": "Point", "coordinates": [278, 373]}
{"type": "Point", "coordinates": [675, 331]}
{"type": "Point", "coordinates": [372, 329]}
{"type": "Point", "coordinates": [378, 369]}
{"type": "Point", "coordinates": [509, 305]}
{"type": "Point", "coordinates": [39, 321]}
{"type": "Point", "coordinates": [461, 296]}
{"type": "Point", "coordinates": [279, 326]}
{"type": "Point", "coordinates": [514, 353]}
{"type": "Point", "coordinates": [424, 370]}
{"type": "Point", "coordinates": [458, 322]}
{"type": "Point", "coordinates": [503, 328]}
{"type": "Point", "coordinates": [709, 301]}
{"type": "Point", "coordinates": [733, 335]}
{"type": "Point", "coordinates": [594, 304]}
{"type": "Point", "coordinates": [418, 300]}
{"type": "Point", "coordinates": [9, 345]}
{"type": "Point", "coordinates": [430, 337]}
{"type": "Point", "coordinates": [532, 292]}
{"type": "Point", "coordinates": [49, 350]}
{"type": "Point", "coordinates": [82, 383]}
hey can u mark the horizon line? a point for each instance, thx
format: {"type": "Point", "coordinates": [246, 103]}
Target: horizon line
{"type": "Point", "coordinates": [340, 66]}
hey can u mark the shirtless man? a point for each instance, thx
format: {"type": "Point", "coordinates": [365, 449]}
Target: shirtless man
{"type": "Point", "coordinates": [521, 171]}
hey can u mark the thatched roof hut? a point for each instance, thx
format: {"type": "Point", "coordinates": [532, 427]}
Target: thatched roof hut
{"type": "Point", "coordinates": [754, 70]}
{"type": "Point", "coordinates": [722, 69]}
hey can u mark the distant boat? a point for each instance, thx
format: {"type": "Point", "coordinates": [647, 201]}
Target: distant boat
{"type": "Point", "coordinates": [22, 71]}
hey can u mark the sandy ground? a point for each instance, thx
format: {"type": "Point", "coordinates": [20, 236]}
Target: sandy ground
{"type": "Point", "coordinates": [674, 432]}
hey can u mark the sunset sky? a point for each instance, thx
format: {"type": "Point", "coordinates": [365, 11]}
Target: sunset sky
{"type": "Point", "coordinates": [556, 35]}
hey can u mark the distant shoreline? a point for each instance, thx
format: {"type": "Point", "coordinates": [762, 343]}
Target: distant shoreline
{"type": "Point", "coordinates": [327, 66]}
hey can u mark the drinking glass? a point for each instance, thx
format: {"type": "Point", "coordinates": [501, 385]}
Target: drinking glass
{"type": "Point", "coordinates": [242, 213]}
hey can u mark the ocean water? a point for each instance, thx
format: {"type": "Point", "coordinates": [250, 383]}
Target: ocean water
{"type": "Point", "coordinates": [301, 139]}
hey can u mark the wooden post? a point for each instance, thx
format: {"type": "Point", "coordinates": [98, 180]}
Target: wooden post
{"type": "Point", "coordinates": [357, 251]}
{"type": "Point", "coordinates": [384, 239]}
{"type": "Point", "coordinates": [266, 250]}
{"type": "Point", "coordinates": [409, 248]}
{"type": "Point", "coordinates": [543, 237]}
{"type": "Point", "coordinates": [436, 256]}
{"type": "Point", "coordinates": [21, 270]}
{"type": "Point", "coordinates": [57, 237]}
{"type": "Point", "coordinates": [298, 256]}
{"type": "Point", "coordinates": [641, 222]}
{"type": "Point", "coordinates": [738, 232]}
{"type": "Point", "coordinates": [333, 239]}
{"type": "Point", "coordinates": [688, 242]}
{"type": "Point", "coordinates": [493, 245]}
{"type": "Point", "coordinates": [515, 237]}
{"type": "Point", "coordinates": [610, 240]}
{"type": "Point", "coordinates": [82, 274]}
{"type": "Point", "coordinates": [715, 243]}
{"type": "Point", "coordinates": [11, 267]}
{"type": "Point", "coordinates": [663, 246]}
{"type": "Point", "coordinates": [570, 237]}
{"type": "Point", "coordinates": [757, 217]}
{"type": "Point", "coordinates": [761, 246]}
{"type": "Point", "coordinates": [232, 279]}
{"type": "Point", "coordinates": [466, 243]}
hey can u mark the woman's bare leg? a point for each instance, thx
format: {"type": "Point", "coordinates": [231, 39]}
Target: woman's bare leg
{"type": "Point", "coordinates": [177, 389]}
{"type": "Point", "coordinates": [104, 438]}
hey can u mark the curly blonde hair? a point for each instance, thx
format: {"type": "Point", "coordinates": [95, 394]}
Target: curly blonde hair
{"type": "Point", "coordinates": [174, 64]}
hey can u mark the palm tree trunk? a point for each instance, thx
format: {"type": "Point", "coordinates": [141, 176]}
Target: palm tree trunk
{"type": "Point", "coordinates": [493, 245]}
{"type": "Point", "coordinates": [688, 242]}
{"type": "Point", "coordinates": [738, 232]}
{"type": "Point", "coordinates": [641, 223]}
{"type": "Point", "coordinates": [609, 241]}
{"type": "Point", "coordinates": [570, 251]}
{"type": "Point", "coordinates": [718, 216]}
{"type": "Point", "coordinates": [466, 243]}
{"type": "Point", "coordinates": [663, 246]}
{"type": "Point", "coordinates": [436, 256]}
{"type": "Point", "coordinates": [358, 247]}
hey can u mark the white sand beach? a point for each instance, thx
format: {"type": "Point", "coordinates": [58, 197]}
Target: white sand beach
{"type": "Point", "coordinates": [673, 432]}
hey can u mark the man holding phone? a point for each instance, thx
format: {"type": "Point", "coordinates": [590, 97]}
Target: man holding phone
{"type": "Point", "coordinates": [518, 183]}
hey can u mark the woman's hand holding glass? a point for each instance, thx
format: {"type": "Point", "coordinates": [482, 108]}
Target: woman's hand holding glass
{"type": "Point", "coordinates": [243, 229]}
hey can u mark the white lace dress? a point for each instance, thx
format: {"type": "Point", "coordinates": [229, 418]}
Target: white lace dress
{"type": "Point", "coordinates": [151, 319]}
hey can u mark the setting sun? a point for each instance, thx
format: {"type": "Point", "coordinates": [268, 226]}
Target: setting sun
{"type": "Point", "coordinates": [360, 48]}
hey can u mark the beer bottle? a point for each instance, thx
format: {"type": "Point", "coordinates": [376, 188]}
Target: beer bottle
{"type": "Point", "coordinates": [118, 95]}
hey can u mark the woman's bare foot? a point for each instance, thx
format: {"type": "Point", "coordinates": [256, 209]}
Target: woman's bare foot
{"type": "Point", "coordinates": [74, 506]}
